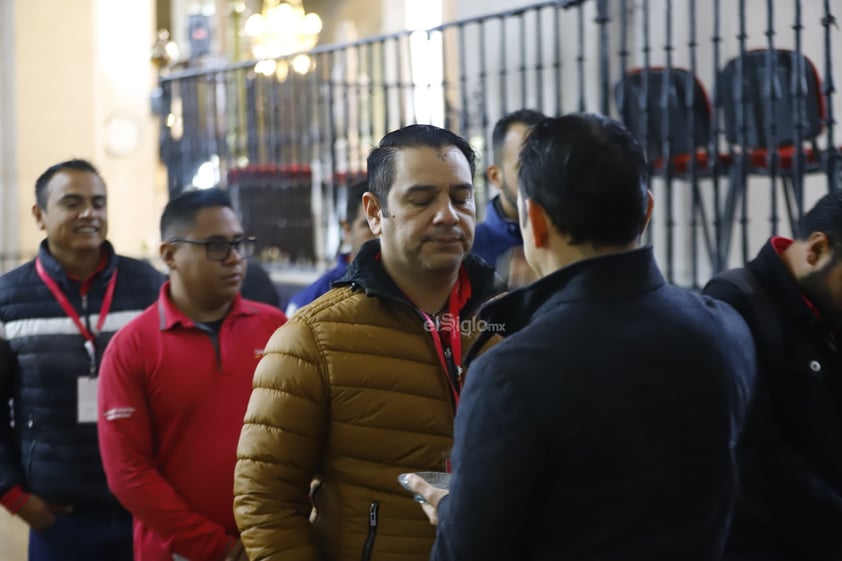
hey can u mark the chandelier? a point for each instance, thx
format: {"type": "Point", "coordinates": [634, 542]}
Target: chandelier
{"type": "Point", "coordinates": [282, 29]}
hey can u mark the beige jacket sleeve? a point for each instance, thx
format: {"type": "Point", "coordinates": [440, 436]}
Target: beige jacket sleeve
{"type": "Point", "coordinates": [280, 448]}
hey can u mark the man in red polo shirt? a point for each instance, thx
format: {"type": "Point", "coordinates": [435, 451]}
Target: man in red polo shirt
{"type": "Point", "coordinates": [174, 387]}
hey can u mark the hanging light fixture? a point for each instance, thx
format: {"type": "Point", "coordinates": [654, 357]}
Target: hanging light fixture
{"type": "Point", "coordinates": [164, 51]}
{"type": "Point", "coordinates": [281, 29]}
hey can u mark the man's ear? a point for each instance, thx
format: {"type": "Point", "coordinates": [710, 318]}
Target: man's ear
{"type": "Point", "coordinates": [167, 253]}
{"type": "Point", "coordinates": [538, 223]}
{"type": "Point", "coordinates": [650, 204]}
{"type": "Point", "coordinates": [373, 212]}
{"type": "Point", "coordinates": [819, 250]}
{"type": "Point", "coordinates": [494, 175]}
{"type": "Point", "coordinates": [38, 213]}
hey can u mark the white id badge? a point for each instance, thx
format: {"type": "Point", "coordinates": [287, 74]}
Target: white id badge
{"type": "Point", "coordinates": [86, 391]}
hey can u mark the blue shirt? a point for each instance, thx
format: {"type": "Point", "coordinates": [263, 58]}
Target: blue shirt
{"type": "Point", "coordinates": [495, 235]}
{"type": "Point", "coordinates": [319, 287]}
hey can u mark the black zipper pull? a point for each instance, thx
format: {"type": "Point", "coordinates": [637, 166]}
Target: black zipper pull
{"type": "Point", "coordinates": [454, 371]}
{"type": "Point", "coordinates": [372, 531]}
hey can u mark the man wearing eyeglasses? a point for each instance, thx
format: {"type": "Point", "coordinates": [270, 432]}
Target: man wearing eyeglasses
{"type": "Point", "coordinates": [57, 313]}
{"type": "Point", "coordinates": [175, 384]}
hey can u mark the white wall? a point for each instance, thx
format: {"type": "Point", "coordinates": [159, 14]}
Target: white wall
{"type": "Point", "coordinates": [124, 129]}
{"type": "Point", "coordinates": [13, 532]}
{"type": "Point", "coordinates": [79, 67]}
{"type": "Point", "coordinates": [8, 175]}
{"type": "Point", "coordinates": [461, 9]}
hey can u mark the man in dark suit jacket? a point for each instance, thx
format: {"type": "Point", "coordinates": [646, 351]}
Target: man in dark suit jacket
{"type": "Point", "coordinates": [604, 425]}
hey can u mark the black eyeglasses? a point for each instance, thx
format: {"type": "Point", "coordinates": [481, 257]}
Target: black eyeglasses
{"type": "Point", "coordinates": [220, 249]}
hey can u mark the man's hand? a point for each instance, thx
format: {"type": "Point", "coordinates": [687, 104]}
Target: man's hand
{"type": "Point", "coordinates": [237, 552]}
{"type": "Point", "coordinates": [40, 514]}
{"type": "Point", "coordinates": [431, 495]}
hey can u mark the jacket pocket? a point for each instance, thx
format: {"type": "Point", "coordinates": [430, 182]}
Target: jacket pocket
{"type": "Point", "coordinates": [372, 531]}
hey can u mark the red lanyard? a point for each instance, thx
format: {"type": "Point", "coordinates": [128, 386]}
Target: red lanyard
{"type": "Point", "coordinates": [451, 325]}
{"type": "Point", "coordinates": [68, 307]}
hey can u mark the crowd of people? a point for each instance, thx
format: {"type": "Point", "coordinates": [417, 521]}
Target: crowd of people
{"type": "Point", "coordinates": [583, 407]}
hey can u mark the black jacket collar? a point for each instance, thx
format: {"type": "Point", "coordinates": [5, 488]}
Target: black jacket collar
{"type": "Point", "coordinates": [56, 271]}
{"type": "Point", "coordinates": [779, 283]}
{"type": "Point", "coordinates": [599, 278]}
{"type": "Point", "coordinates": [368, 273]}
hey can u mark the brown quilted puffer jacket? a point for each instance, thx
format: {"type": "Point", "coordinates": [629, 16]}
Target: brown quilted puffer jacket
{"type": "Point", "coordinates": [349, 390]}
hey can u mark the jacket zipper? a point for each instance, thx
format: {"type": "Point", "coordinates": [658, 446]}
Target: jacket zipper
{"type": "Point", "coordinates": [372, 531]}
{"type": "Point", "coordinates": [453, 371]}
{"type": "Point", "coordinates": [85, 311]}
{"type": "Point", "coordinates": [30, 424]}
{"type": "Point", "coordinates": [90, 346]}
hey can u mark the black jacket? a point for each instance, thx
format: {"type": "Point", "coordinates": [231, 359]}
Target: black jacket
{"type": "Point", "coordinates": [790, 503]}
{"type": "Point", "coordinates": [258, 285]}
{"type": "Point", "coordinates": [603, 427]}
{"type": "Point", "coordinates": [42, 446]}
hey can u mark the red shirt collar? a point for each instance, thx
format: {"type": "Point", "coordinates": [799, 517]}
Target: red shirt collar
{"type": "Point", "coordinates": [780, 244]}
{"type": "Point", "coordinates": [461, 290]}
{"type": "Point", "coordinates": [171, 315]}
{"type": "Point", "coordinates": [88, 282]}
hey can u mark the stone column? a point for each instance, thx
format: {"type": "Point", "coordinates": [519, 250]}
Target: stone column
{"type": "Point", "coordinates": [8, 168]}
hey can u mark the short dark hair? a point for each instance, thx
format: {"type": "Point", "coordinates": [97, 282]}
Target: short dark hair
{"type": "Point", "coordinates": [825, 216]}
{"type": "Point", "coordinates": [588, 173]}
{"type": "Point", "coordinates": [44, 179]}
{"type": "Point", "coordinates": [381, 160]}
{"type": "Point", "coordinates": [528, 117]}
{"type": "Point", "coordinates": [355, 194]}
{"type": "Point", "coordinates": [180, 212]}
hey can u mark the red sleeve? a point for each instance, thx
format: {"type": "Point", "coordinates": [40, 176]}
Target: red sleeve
{"type": "Point", "coordinates": [126, 444]}
{"type": "Point", "coordinates": [14, 499]}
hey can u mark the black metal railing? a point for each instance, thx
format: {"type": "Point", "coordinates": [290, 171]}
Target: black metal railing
{"type": "Point", "coordinates": [723, 121]}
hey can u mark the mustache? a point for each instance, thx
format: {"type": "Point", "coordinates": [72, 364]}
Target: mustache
{"type": "Point", "coordinates": [447, 233]}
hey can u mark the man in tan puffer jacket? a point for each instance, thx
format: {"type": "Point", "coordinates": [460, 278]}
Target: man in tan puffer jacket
{"type": "Point", "coordinates": [362, 384]}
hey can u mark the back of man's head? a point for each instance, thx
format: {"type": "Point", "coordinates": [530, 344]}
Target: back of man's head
{"type": "Point", "coordinates": [528, 117]}
{"type": "Point", "coordinates": [381, 160]}
{"type": "Point", "coordinates": [589, 175]}
{"type": "Point", "coordinates": [356, 191]}
{"type": "Point", "coordinates": [825, 217]}
{"type": "Point", "coordinates": [180, 213]}
{"type": "Point", "coordinates": [44, 179]}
